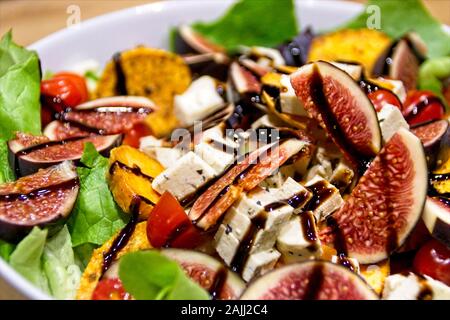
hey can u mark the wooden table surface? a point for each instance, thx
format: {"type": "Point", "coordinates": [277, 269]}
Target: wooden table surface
{"type": "Point", "coordinates": [32, 20]}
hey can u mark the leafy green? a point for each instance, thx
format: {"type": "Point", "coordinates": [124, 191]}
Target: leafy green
{"type": "Point", "coordinates": [401, 16]}
{"type": "Point", "coordinates": [149, 275]}
{"type": "Point", "coordinates": [6, 249]}
{"type": "Point", "coordinates": [83, 254]}
{"type": "Point", "coordinates": [252, 23]}
{"type": "Point", "coordinates": [432, 73]}
{"type": "Point", "coordinates": [96, 217]}
{"type": "Point", "coordinates": [48, 263]}
{"type": "Point", "coordinates": [19, 89]}
{"type": "Point", "coordinates": [6, 174]}
{"type": "Point", "coordinates": [26, 259]}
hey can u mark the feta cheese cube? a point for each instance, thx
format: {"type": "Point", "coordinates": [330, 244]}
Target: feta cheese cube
{"type": "Point", "coordinates": [390, 119]}
{"type": "Point", "coordinates": [184, 177]}
{"type": "Point", "coordinates": [166, 156]}
{"type": "Point", "coordinates": [293, 192]}
{"type": "Point", "coordinates": [259, 263]}
{"type": "Point", "coordinates": [253, 202]}
{"type": "Point", "coordinates": [268, 121]}
{"type": "Point", "coordinates": [289, 102]}
{"type": "Point", "coordinates": [396, 86]}
{"type": "Point", "coordinates": [226, 244]}
{"type": "Point", "coordinates": [279, 177]}
{"type": "Point", "coordinates": [354, 70]}
{"type": "Point", "coordinates": [198, 101]}
{"type": "Point", "coordinates": [236, 223]}
{"type": "Point", "coordinates": [411, 287]}
{"type": "Point", "coordinates": [217, 159]}
{"type": "Point", "coordinates": [342, 176]}
{"type": "Point", "coordinates": [323, 207]}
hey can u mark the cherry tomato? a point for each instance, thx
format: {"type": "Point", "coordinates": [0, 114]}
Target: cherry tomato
{"type": "Point", "coordinates": [133, 136]}
{"type": "Point", "coordinates": [168, 225]}
{"type": "Point", "coordinates": [381, 97]}
{"type": "Point", "coordinates": [110, 289]}
{"type": "Point", "coordinates": [64, 90]}
{"type": "Point", "coordinates": [433, 259]}
{"type": "Point", "coordinates": [422, 106]}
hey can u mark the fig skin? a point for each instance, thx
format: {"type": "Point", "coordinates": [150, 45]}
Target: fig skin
{"type": "Point", "coordinates": [43, 199]}
{"type": "Point", "coordinates": [309, 280]}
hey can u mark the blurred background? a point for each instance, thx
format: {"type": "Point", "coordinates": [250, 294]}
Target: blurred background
{"type": "Point", "coordinates": [34, 19]}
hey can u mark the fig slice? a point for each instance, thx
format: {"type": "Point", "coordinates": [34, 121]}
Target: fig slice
{"type": "Point", "coordinates": [208, 272]}
{"type": "Point", "coordinates": [333, 98]}
{"type": "Point", "coordinates": [404, 65]}
{"type": "Point", "coordinates": [103, 116]}
{"type": "Point", "coordinates": [386, 204]}
{"type": "Point", "coordinates": [42, 199]}
{"type": "Point", "coordinates": [310, 280]}
{"type": "Point", "coordinates": [431, 133]}
{"type": "Point", "coordinates": [436, 216]}
{"type": "Point", "coordinates": [186, 40]}
{"type": "Point", "coordinates": [28, 160]}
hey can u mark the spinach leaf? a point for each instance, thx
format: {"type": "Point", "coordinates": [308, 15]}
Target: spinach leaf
{"type": "Point", "coordinates": [19, 89]}
{"type": "Point", "coordinates": [252, 23]}
{"type": "Point", "coordinates": [96, 217]}
{"type": "Point", "coordinates": [401, 16]}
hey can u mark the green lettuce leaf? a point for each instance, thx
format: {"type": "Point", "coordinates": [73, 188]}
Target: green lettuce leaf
{"type": "Point", "coordinates": [6, 249]}
{"type": "Point", "coordinates": [264, 23]}
{"type": "Point", "coordinates": [19, 89]}
{"type": "Point", "coordinates": [27, 258]}
{"type": "Point", "coordinates": [6, 174]}
{"type": "Point", "coordinates": [432, 73]}
{"type": "Point", "coordinates": [96, 217]}
{"type": "Point", "coordinates": [149, 275]}
{"type": "Point", "coordinates": [400, 16]}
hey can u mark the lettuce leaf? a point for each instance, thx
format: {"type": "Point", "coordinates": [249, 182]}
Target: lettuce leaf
{"type": "Point", "coordinates": [19, 89]}
{"type": "Point", "coordinates": [149, 275]}
{"type": "Point", "coordinates": [96, 217]}
{"type": "Point", "coordinates": [432, 74]}
{"type": "Point", "coordinates": [6, 174]}
{"type": "Point", "coordinates": [400, 16]}
{"type": "Point", "coordinates": [6, 249]}
{"type": "Point", "coordinates": [264, 23]}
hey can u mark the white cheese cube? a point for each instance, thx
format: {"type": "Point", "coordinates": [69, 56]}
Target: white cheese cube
{"type": "Point", "coordinates": [166, 156]}
{"type": "Point", "coordinates": [217, 159]}
{"type": "Point", "coordinates": [390, 119]}
{"type": "Point", "coordinates": [226, 244]}
{"type": "Point", "coordinates": [236, 223]}
{"type": "Point", "coordinates": [289, 102]}
{"type": "Point", "coordinates": [198, 101]}
{"type": "Point", "coordinates": [268, 121]}
{"type": "Point", "coordinates": [253, 202]}
{"type": "Point", "coordinates": [342, 176]}
{"type": "Point", "coordinates": [272, 54]}
{"type": "Point", "coordinates": [293, 242]}
{"type": "Point", "coordinates": [323, 207]}
{"type": "Point", "coordinates": [184, 177]}
{"type": "Point", "coordinates": [353, 262]}
{"type": "Point", "coordinates": [293, 191]}
{"type": "Point", "coordinates": [150, 141]}
{"type": "Point", "coordinates": [279, 177]}
{"type": "Point", "coordinates": [259, 263]}
{"type": "Point", "coordinates": [354, 70]}
{"type": "Point", "coordinates": [396, 86]}
{"type": "Point", "coordinates": [411, 287]}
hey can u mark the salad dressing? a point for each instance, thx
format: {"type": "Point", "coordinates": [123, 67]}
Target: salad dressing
{"type": "Point", "coordinates": [307, 222]}
{"type": "Point", "coordinates": [39, 192]}
{"type": "Point", "coordinates": [44, 145]}
{"type": "Point", "coordinates": [134, 170]}
{"type": "Point", "coordinates": [339, 244]}
{"type": "Point", "coordinates": [320, 193]}
{"type": "Point", "coordinates": [121, 84]}
{"type": "Point", "coordinates": [218, 283]}
{"type": "Point", "coordinates": [314, 284]}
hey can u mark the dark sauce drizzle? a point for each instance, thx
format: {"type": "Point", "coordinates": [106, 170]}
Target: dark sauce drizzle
{"type": "Point", "coordinates": [339, 244]}
{"type": "Point", "coordinates": [295, 201]}
{"type": "Point", "coordinates": [44, 145]}
{"type": "Point", "coordinates": [121, 85]}
{"type": "Point", "coordinates": [307, 221]}
{"type": "Point", "coordinates": [179, 230]}
{"type": "Point", "coordinates": [38, 192]}
{"type": "Point", "coordinates": [134, 170]}
{"type": "Point", "coordinates": [218, 283]}
{"type": "Point", "coordinates": [320, 193]}
{"type": "Point", "coordinates": [315, 281]}
{"type": "Point", "coordinates": [124, 236]}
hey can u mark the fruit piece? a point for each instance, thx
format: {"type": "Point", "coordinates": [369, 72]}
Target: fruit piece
{"type": "Point", "coordinates": [131, 173]}
{"type": "Point", "coordinates": [436, 216]}
{"type": "Point", "coordinates": [102, 116]}
{"type": "Point", "coordinates": [186, 40]}
{"type": "Point", "coordinates": [211, 64]}
{"type": "Point", "coordinates": [209, 273]}
{"type": "Point", "coordinates": [311, 280]}
{"type": "Point", "coordinates": [363, 46]}
{"type": "Point", "coordinates": [295, 52]}
{"type": "Point", "coordinates": [386, 204]}
{"type": "Point", "coordinates": [110, 289]}
{"type": "Point", "coordinates": [381, 97]}
{"type": "Point", "coordinates": [243, 81]}
{"type": "Point", "coordinates": [333, 98]}
{"type": "Point", "coordinates": [433, 260]}
{"type": "Point", "coordinates": [422, 106]}
{"type": "Point", "coordinates": [431, 133]}
{"type": "Point", "coordinates": [169, 226]}
{"type": "Point", "coordinates": [133, 136]}
{"type": "Point", "coordinates": [94, 269]}
{"type": "Point", "coordinates": [28, 160]}
{"type": "Point", "coordinates": [375, 275]}
{"type": "Point", "coordinates": [42, 199]}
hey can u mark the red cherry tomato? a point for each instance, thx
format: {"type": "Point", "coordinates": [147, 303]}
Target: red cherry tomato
{"type": "Point", "coordinates": [133, 136]}
{"type": "Point", "coordinates": [110, 289]}
{"type": "Point", "coordinates": [168, 225]}
{"type": "Point", "coordinates": [433, 259]}
{"type": "Point", "coordinates": [381, 97]}
{"type": "Point", "coordinates": [422, 106]}
{"type": "Point", "coordinates": [64, 90]}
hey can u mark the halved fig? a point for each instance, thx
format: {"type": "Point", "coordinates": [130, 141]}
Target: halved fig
{"type": "Point", "coordinates": [42, 199]}
{"type": "Point", "coordinates": [103, 116]}
{"type": "Point", "coordinates": [208, 272]}
{"type": "Point", "coordinates": [186, 40]}
{"type": "Point", "coordinates": [310, 280]}
{"type": "Point", "coordinates": [27, 160]}
{"type": "Point", "coordinates": [243, 81]}
{"type": "Point", "coordinates": [333, 98]}
{"type": "Point", "coordinates": [212, 64]}
{"type": "Point", "coordinates": [257, 69]}
{"type": "Point", "coordinates": [431, 133]}
{"type": "Point", "coordinates": [386, 204]}
{"type": "Point", "coordinates": [436, 216]}
{"type": "Point", "coordinates": [131, 173]}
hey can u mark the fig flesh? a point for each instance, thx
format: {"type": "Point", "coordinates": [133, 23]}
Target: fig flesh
{"type": "Point", "coordinates": [29, 159]}
{"type": "Point", "coordinates": [333, 98]}
{"type": "Point", "coordinates": [310, 280]}
{"type": "Point", "coordinates": [212, 275]}
{"type": "Point", "coordinates": [186, 40]}
{"type": "Point", "coordinates": [386, 204]}
{"type": "Point", "coordinates": [42, 199]}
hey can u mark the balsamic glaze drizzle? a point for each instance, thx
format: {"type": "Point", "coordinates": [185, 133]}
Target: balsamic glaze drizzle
{"type": "Point", "coordinates": [218, 283]}
{"type": "Point", "coordinates": [38, 192]}
{"type": "Point", "coordinates": [47, 144]}
{"type": "Point", "coordinates": [315, 281]}
{"type": "Point", "coordinates": [121, 84]}
{"type": "Point", "coordinates": [134, 170]}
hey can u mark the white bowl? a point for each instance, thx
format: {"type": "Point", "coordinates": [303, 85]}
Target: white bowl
{"type": "Point", "coordinates": [101, 37]}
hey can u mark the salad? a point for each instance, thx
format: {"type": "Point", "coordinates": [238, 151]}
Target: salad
{"type": "Point", "coordinates": [252, 161]}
